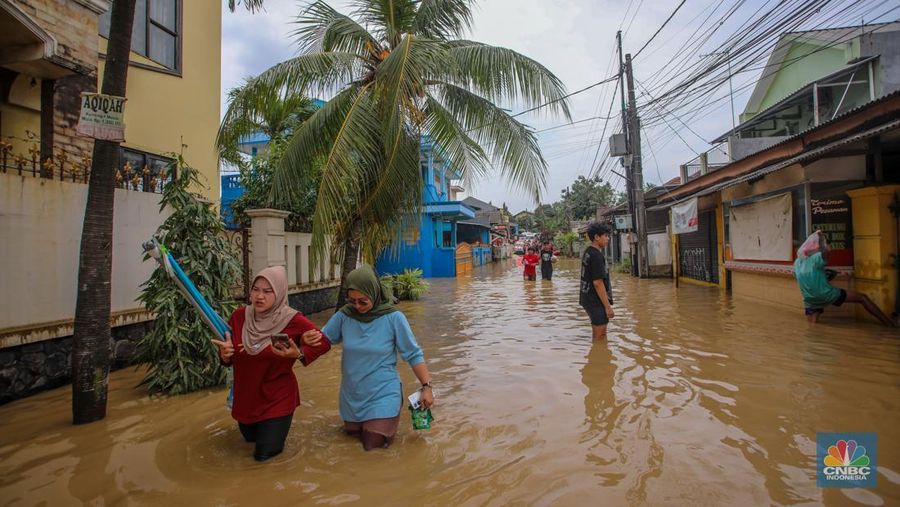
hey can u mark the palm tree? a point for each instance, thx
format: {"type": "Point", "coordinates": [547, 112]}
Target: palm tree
{"type": "Point", "coordinates": [273, 113]}
{"type": "Point", "coordinates": [397, 70]}
{"type": "Point", "coordinates": [91, 333]}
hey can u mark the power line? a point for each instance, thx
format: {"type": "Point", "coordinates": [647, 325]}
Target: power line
{"type": "Point", "coordinates": [666, 22]}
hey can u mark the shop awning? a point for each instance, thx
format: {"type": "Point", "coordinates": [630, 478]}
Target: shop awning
{"type": "Point", "coordinates": [449, 210]}
{"type": "Point", "coordinates": [807, 155]}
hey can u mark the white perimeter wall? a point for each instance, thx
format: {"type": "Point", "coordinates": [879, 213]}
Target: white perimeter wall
{"type": "Point", "coordinates": [40, 234]}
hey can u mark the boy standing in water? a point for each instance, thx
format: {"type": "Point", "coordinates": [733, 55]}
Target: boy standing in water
{"type": "Point", "coordinates": [530, 261]}
{"type": "Point", "coordinates": [596, 292]}
{"type": "Point", "coordinates": [547, 261]}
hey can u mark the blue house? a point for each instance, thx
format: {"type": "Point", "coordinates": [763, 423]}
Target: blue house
{"type": "Point", "coordinates": [429, 241]}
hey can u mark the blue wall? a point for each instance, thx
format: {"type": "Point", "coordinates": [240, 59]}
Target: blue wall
{"type": "Point", "coordinates": [428, 254]}
{"type": "Point", "coordinates": [231, 190]}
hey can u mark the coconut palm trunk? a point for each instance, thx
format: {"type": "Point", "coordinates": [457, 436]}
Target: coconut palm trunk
{"type": "Point", "coordinates": [92, 336]}
{"type": "Point", "coordinates": [351, 256]}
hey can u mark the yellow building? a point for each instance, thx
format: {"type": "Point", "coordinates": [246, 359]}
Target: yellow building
{"type": "Point", "coordinates": [52, 50]}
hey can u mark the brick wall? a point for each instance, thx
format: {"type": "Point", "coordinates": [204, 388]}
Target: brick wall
{"type": "Point", "coordinates": [74, 27]}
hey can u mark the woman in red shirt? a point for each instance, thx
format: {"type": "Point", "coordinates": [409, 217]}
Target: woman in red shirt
{"type": "Point", "coordinates": [265, 388]}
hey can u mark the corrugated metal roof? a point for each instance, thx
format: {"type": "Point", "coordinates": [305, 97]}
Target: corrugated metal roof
{"type": "Point", "coordinates": [813, 153]}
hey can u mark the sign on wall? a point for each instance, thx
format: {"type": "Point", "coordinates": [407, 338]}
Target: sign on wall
{"type": "Point", "coordinates": [832, 216]}
{"type": "Point", "coordinates": [623, 222]}
{"type": "Point", "coordinates": [763, 230]}
{"type": "Point", "coordinates": [685, 217]}
{"type": "Point", "coordinates": [102, 117]}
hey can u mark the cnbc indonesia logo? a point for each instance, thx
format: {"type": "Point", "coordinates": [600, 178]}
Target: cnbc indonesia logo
{"type": "Point", "coordinates": [847, 462]}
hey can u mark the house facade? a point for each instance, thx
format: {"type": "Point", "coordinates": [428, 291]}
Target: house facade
{"type": "Point", "coordinates": [52, 51]}
{"type": "Point", "coordinates": [822, 157]}
{"type": "Point", "coordinates": [429, 241]}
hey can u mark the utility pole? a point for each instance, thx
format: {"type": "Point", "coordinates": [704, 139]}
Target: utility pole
{"type": "Point", "coordinates": [637, 176]}
{"type": "Point", "coordinates": [629, 185]}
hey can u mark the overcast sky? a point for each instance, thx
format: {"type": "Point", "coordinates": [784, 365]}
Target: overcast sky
{"type": "Point", "coordinates": [575, 39]}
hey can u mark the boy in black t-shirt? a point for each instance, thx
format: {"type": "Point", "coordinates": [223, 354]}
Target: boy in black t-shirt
{"type": "Point", "coordinates": [547, 261]}
{"type": "Point", "coordinates": [596, 291]}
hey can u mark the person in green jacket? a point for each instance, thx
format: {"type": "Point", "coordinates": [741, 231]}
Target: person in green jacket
{"type": "Point", "coordinates": [809, 270]}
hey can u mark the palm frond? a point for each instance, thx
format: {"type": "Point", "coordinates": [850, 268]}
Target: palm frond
{"type": "Point", "coordinates": [497, 73]}
{"type": "Point", "coordinates": [315, 74]}
{"type": "Point", "coordinates": [256, 109]}
{"type": "Point", "coordinates": [455, 144]}
{"type": "Point", "coordinates": [324, 29]}
{"type": "Point", "coordinates": [345, 136]}
{"type": "Point", "coordinates": [512, 147]}
{"type": "Point", "coordinates": [251, 5]}
{"type": "Point", "coordinates": [391, 18]}
{"type": "Point", "coordinates": [443, 19]}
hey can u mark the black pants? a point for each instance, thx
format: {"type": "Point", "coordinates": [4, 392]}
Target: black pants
{"type": "Point", "coordinates": [546, 270]}
{"type": "Point", "coordinates": [269, 436]}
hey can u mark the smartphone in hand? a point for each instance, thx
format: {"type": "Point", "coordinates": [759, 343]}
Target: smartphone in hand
{"type": "Point", "coordinates": [280, 341]}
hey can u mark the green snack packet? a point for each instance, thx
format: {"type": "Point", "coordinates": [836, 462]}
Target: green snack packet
{"type": "Point", "coordinates": [421, 418]}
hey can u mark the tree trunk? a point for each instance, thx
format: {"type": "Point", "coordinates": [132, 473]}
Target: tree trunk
{"type": "Point", "coordinates": [92, 337]}
{"type": "Point", "coordinates": [351, 254]}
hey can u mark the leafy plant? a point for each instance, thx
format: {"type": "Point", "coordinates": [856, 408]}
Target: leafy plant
{"type": "Point", "coordinates": [407, 285]}
{"type": "Point", "coordinates": [566, 241]}
{"type": "Point", "coordinates": [256, 179]}
{"type": "Point", "coordinates": [623, 266]}
{"type": "Point", "coordinates": [178, 348]}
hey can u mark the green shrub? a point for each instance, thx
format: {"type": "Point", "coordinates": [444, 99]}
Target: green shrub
{"type": "Point", "coordinates": [178, 348]}
{"type": "Point", "coordinates": [623, 266]}
{"type": "Point", "coordinates": [407, 285]}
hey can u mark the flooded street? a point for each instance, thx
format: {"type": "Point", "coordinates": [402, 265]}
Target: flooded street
{"type": "Point", "coordinates": [694, 400]}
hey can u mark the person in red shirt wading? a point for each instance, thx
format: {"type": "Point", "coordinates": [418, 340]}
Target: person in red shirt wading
{"type": "Point", "coordinates": [530, 261]}
{"type": "Point", "coordinates": [265, 388]}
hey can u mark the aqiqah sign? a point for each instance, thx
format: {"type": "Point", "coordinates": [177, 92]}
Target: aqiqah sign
{"type": "Point", "coordinates": [102, 117]}
{"type": "Point", "coordinates": [685, 217]}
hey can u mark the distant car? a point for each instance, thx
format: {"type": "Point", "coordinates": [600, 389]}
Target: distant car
{"type": "Point", "coordinates": [519, 248]}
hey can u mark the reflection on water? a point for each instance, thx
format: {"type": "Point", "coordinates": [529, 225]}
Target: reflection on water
{"type": "Point", "coordinates": [693, 400]}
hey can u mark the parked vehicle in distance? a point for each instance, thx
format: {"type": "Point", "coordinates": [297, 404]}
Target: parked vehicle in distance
{"type": "Point", "coordinates": [519, 248]}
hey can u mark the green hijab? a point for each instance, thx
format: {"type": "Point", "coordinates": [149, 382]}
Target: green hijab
{"type": "Point", "coordinates": [366, 281]}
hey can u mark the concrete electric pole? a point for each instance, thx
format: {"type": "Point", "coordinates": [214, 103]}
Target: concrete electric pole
{"type": "Point", "coordinates": [637, 176]}
{"type": "Point", "coordinates": [629, 180]}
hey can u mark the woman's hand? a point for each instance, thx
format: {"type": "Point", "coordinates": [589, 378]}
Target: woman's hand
{"type": "Point", "coordinates": [291, 351]}
{"type": "Point", "coordinates": [427, 397]}
{"type": "Point", "coordinates": [226, 348]}
{"type": "Point", "coordinates": [312, 337]}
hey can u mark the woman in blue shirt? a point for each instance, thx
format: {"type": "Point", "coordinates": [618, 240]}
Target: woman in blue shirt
{"type": "Point", "coordinates": [372, 331]}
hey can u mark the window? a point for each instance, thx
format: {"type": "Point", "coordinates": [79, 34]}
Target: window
{"type": "Point", "coordinates": [142, 171]}
{"type": "Point", "coordinates": [155, 32]}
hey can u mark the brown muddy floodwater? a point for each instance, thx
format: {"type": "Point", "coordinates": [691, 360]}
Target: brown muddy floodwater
{"type": "Point", "coordinates": [694, 400]}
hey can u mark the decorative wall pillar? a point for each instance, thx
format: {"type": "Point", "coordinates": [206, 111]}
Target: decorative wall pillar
{"type": "Point", "coordinates": [267, 242]}
{"type": "Point", "coordinates": [875, 245]}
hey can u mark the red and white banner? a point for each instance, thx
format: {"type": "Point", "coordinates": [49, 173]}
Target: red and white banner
{"type": "Point", "coordinates": [685, 217]}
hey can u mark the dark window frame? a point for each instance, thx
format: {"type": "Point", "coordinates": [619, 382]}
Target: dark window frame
{"type": "Point", "coordinates": [148, 24]}
{"type": "Point", "coordinates": [153, 161]}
